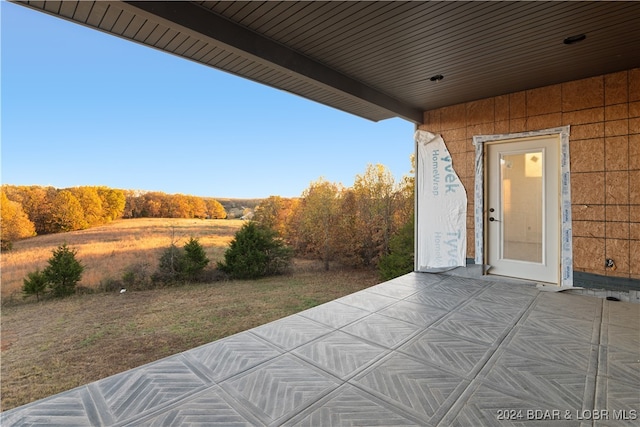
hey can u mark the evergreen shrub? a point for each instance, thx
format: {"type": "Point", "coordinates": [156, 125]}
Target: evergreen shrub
{"type": "Point", "coordinates": [256, 251]}
{"type": "Point", "coordinates": [34, 284]}
{"type": "Point", "coordinates": [59, 278]}
{"type": "Point", "coordinates": [63, 272]}
{"type": "Point", "coordinates": [180, 264]}
{"type": "Point", "coordinates": [400, 258]}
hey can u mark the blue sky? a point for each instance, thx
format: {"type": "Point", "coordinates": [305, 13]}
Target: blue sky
{"type": "Point", "coordinates": [80, 107]}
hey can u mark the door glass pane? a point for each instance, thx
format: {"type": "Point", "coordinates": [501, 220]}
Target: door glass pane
{"type": "Point", "coordinates": [522, 206]}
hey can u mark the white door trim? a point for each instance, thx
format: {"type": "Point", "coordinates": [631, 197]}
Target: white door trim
{"type": "Point", "coordinates": [566, 245]}
{"type": "Point", "coordinates": [523, 240]}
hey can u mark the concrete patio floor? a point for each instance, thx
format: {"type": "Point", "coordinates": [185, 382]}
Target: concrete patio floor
{"type": "Point", "coordinates": [422, 349]}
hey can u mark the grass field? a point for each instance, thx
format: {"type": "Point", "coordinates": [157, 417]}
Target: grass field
{"type": "Point", "coordinates": [108, 250]}
{"type": "Point", "coordinates": [55, 345]}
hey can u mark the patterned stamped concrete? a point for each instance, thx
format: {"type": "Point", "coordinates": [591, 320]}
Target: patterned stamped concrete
{"type": "Point", "coordinates": [421, 350]}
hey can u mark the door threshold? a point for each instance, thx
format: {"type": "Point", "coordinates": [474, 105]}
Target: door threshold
{"type": "Point", "coordinates": [551, 287]}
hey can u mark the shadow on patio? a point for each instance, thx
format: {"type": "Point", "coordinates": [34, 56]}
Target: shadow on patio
{"type": "Point", "coordinates": [422, 349]}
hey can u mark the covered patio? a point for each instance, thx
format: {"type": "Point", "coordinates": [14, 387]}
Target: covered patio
{"type": "Point", "coordinates": [422, 349]}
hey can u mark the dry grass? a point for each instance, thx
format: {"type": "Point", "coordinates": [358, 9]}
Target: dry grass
{"type": "Point", "coordinates": [55, 345]}
{"type": "Point", "coordinates": [106, 251]}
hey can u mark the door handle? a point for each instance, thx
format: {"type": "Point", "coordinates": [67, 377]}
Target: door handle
{"type": "Point", "coordinates": [492, 219]}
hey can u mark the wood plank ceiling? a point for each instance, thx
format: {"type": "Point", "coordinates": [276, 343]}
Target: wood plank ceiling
{"type": "Point", "coordinates": [376, 59]}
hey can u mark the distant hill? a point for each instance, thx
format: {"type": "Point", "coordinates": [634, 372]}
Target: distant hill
{"type": "Point", "coordinates": [236, 208]}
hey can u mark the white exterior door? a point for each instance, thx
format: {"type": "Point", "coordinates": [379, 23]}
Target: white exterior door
{"type": "Point", "coordinates": [523, 213]}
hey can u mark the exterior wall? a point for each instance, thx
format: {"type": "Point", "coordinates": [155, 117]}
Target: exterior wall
{"type": "Point", "coordinates": [604, 115]}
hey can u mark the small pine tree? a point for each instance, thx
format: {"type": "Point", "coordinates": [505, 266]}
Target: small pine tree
{"type": "Point", "coordinates": [171, 264]}
{"type": "Point", "coordinates": [255, 251]}
{"type": "Point", "coordinates": [34, 284]}
{"type": "Point", "coordinates": [195, 259]}
{"type": "Point", "coordinates": [63, 272]}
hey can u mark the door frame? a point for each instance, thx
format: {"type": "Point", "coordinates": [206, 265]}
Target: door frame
{"type": "Point", "coordinates": [566, 244]}
{"type": "Point", "coordinates": [547, 268]}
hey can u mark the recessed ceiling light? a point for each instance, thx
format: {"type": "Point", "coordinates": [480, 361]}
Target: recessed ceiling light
{"type": "Point", "coordinates": [437, 78]}
{"type": "Point", "coordinates": [574, 39]}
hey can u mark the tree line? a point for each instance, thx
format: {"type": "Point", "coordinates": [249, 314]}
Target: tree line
{"type": "Point", "coordinates": [354, 226]}
{"type": "Point", "coordinates": [155, 204]}
{"type": "Point", "coordinates": [30, 210]}
{"type": "Point", "coordinates": [359, 226]}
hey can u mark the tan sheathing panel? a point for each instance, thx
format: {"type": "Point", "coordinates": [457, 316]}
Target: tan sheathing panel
{"type": "Point", "coordinates": [604, 115]}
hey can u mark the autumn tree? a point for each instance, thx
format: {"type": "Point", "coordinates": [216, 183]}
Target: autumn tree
{"type": "Point", "coordinates": [113, 202]}
{"type": "Point", "coordinates": [134, 204]}
{"type": "Point", "coordinates": [66, 212]}
{"type": "Point", "coordinates": [36, 203]}
{"type": "Point", "coordinates": [268, 211]}
{"type": "Point", "coordinates": [275, 212]}
{"type": "Point", "coordinates": [352, 225]}
{"type": "Point", "coordinates": [179, 206]}
{"type": "Point", "coordinates": [374, 193]}
{"type": "Point", "coordinates": [153, 205]}
{"type": "Point", "coordinates": [348, 224]}
{"type": "Point", "coordinates": [39, 208]}
{"type": "Point", "coordinates": [404, 203]}
{"type": "Point", "coordinates": [14, 222]}
{"type": "Point", "coordinates": [317, 219]}
{"type": "Point", "coordinates": [91, 204]}
{"type": "Point", "coordinates": [198, 208]}
{"type": "Point", "coordinates": [215, 210]}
